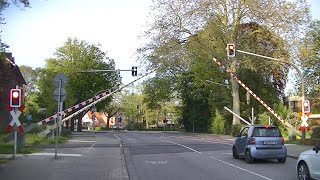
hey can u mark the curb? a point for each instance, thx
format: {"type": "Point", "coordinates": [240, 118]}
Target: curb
{"type": "Point", "coordinates": [293, 157]}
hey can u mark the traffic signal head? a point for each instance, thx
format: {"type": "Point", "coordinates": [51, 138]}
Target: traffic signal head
{"type": "Point", "coordinates": [15, 97]}
{"type": "Point", "coordinates": [231, 50]}
{"type": "Point", "coordinates": [134, 71]}
{"type": "Point", "coordinates": [306, 106]}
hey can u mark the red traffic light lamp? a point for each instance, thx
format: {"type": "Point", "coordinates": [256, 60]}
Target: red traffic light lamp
{"type": "Point", "coordinates": [15, 97]}
{"type": "Point", "coordinates": [231, 50]}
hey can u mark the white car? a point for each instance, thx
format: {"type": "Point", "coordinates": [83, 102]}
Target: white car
{"type": "Point", "coordinates": [308, 164]}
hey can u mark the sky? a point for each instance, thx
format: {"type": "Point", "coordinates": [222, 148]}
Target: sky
{"type": "Point", "coordinates": [34, 34]}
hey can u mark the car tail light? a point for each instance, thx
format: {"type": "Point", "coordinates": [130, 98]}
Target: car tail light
{"type": "Point", "coordinates": [252, 141]}
{"type": "Point", "coordinates": [282, 140]}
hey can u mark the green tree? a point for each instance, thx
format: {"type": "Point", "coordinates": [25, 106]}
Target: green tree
{"type": "Point", "coordinates": [310, 56]}
{"type": "Point", "coordinates": [182, 29]}
{"type": "Point", "coordinates": [75, 56]}
{"type": "Point", "coordinates": [217, 124]}
{"type": "Point", "coordinates": [30, 75]}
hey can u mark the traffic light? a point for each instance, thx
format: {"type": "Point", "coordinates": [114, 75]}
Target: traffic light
{"type": "Point", "coordinates": [15, 97]}
{"type": "Point", "coordinates": [306, 106]}
{"type": "Point", "coordinates": [231, 50]}
{"type": "Point", "coordinates": [134, 71]}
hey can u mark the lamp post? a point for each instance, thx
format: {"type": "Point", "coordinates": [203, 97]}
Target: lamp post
{"type": "Point", "coordinates": [299, 73]}
{"type": "Point", "coordinates": [93, 110]}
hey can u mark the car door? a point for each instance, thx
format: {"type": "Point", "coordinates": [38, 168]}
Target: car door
{"type": "Point", "coordinates": [242, 140]}
{"type": "Point", "coordinates": [315, 163]}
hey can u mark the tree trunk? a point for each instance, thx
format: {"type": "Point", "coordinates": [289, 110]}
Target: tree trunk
{"type": "Point", "coordinates": [235, 93]}
{"type": "Point", "coordinates": [71, 124]}
{"type": "Point", "coordinates": [79, 128]}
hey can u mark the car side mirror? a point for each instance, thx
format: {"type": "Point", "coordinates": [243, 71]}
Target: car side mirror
{"type": "Point", "coordinates": [316, 148]}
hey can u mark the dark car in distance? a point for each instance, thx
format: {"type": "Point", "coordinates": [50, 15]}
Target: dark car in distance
{"type": "Point", "coordinates": [260, 142]}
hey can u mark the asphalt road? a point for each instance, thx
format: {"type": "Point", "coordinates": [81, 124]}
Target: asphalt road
{"type": "Point", "coordinates": [122, 155]}
{"type": "Point", "coordinates": [159, 156]}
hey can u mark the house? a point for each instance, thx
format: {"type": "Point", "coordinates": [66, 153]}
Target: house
{"type": "Point", "coordinates": [101, 119]}
{"type": "Point", "coordinates": [10, 77]}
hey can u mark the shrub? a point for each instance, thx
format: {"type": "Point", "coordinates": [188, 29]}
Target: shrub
{"type": "Point", "coordinates": [217, 124]}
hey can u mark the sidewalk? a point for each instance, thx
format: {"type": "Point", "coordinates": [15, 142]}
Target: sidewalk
{"type": "Point", "coordinates": [80, 158]}
{"type": "Point", "coordinates": [294, 150]}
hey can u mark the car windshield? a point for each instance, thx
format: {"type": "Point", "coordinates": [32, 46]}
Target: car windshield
{"type": "Point", "coordinates": [266, 132]}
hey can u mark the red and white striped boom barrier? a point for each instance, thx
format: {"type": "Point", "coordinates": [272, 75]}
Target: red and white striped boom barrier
{"type": "Point", "coordinates": [258, 98]}
{"type": "Point", "coordinates": [88, 103]}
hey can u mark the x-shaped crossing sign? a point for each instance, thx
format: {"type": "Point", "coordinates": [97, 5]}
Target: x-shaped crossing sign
{"type": "Point", "coordinates": [15, 120]}
{"type": "Point", "coordinates": [304, 125]}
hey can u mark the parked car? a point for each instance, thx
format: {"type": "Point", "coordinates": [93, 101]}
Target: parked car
{"type": "Point", "coordinates": [260, 142]}
{"type": "Point", "coordinates": [308, 164]}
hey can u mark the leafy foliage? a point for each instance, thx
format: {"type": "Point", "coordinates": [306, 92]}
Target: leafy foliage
{"type": "Point", "coordinates": [185, 36]}
{"type": "Point", "coordinates": [310, 56]}
{"type": "Point", "coordinates": [75, 56]}
{"type": "Point", "coordinates": [217, 124]}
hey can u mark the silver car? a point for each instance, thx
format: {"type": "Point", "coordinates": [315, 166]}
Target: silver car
{"type": "Point", "coordinates": [308, 164]}
{"type": "Point", "coordinates": [260, 142]}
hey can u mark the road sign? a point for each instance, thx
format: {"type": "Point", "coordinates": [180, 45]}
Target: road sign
{"type": "Point", "coordinates": [304, 125]}
{"type": "Point", "coordinates": [57, 78]}
{"type": "Point", "coordinates": [63, 94]}
{"type": "Point", "coordinates": [15, 120]}
{"type": "Point", "coordinates": [306, 106]}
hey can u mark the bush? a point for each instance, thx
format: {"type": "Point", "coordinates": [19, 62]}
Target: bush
{"type": "Point", "coordinates": [235, 129]}
{"type": "Point", "coordinates": [217, 124]}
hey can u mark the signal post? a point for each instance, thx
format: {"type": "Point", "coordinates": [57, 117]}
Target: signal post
{"type": "Point", "coordinates": [15, 108]}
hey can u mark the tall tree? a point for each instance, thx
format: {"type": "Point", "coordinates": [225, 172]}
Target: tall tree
{"type": "Point", "coordinates": [176, 21]}
{"type": "Point", "coordinates": [310, 56]}
{"type": "Point", "coordinates": [75, 56]}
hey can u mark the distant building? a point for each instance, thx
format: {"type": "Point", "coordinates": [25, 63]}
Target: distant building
{"type": "Point", "coordinates": [10, 77]}
{"type": "Point", "coordinates": [294, 102]}
{"type": "Point", "coordinates": [100, 120]}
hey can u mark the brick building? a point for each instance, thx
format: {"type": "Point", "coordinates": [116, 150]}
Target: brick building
{"type": "Point", "coordinates": [10, 76]}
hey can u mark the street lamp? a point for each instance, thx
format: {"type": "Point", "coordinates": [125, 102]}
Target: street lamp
{"type": "Point", "coordinates": [93, 110]}
{"type": "Point", "coordinates": [303, 135]}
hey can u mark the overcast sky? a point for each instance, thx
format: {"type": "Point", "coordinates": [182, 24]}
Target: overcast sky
{"type": "Point", "coordinates": [34, 34]}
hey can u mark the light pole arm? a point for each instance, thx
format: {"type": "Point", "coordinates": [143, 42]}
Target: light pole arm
{"type": "Point", "coordinates": [295, 67]}
{"type": "Point", "coordinates": [284, 62]}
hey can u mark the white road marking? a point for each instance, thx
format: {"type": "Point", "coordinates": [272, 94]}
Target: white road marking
{"type": "Point", "coordinates": [259, 175]}
{"type": "Point", "coordinates": [178, 145]}
{"type": "Point", "coordinates": [156, 162]}
{"type": "Point", "coordinates": [195, 139]}
{"type": "Point", "coordinates": [264, 177]}
{"type": "Point", "coordinates": [116, 137]}
{"type": "Point", "coordinates": [93, 145]}
{"type": "Point", "coordinates": [52, 154]}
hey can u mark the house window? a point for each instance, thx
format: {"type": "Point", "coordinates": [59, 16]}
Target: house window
{"type": "Point", "coordinates": [293, 104]}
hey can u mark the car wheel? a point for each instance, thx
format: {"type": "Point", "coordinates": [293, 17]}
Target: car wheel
{"type": "Point", "coordinates": [248, 157]}
{"type": "Point", "coordinates": [234, 153]}
{"type": "Point", "coordinates": [283, 160]}
{"type": "Point", "coordinates": [303, 171]}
